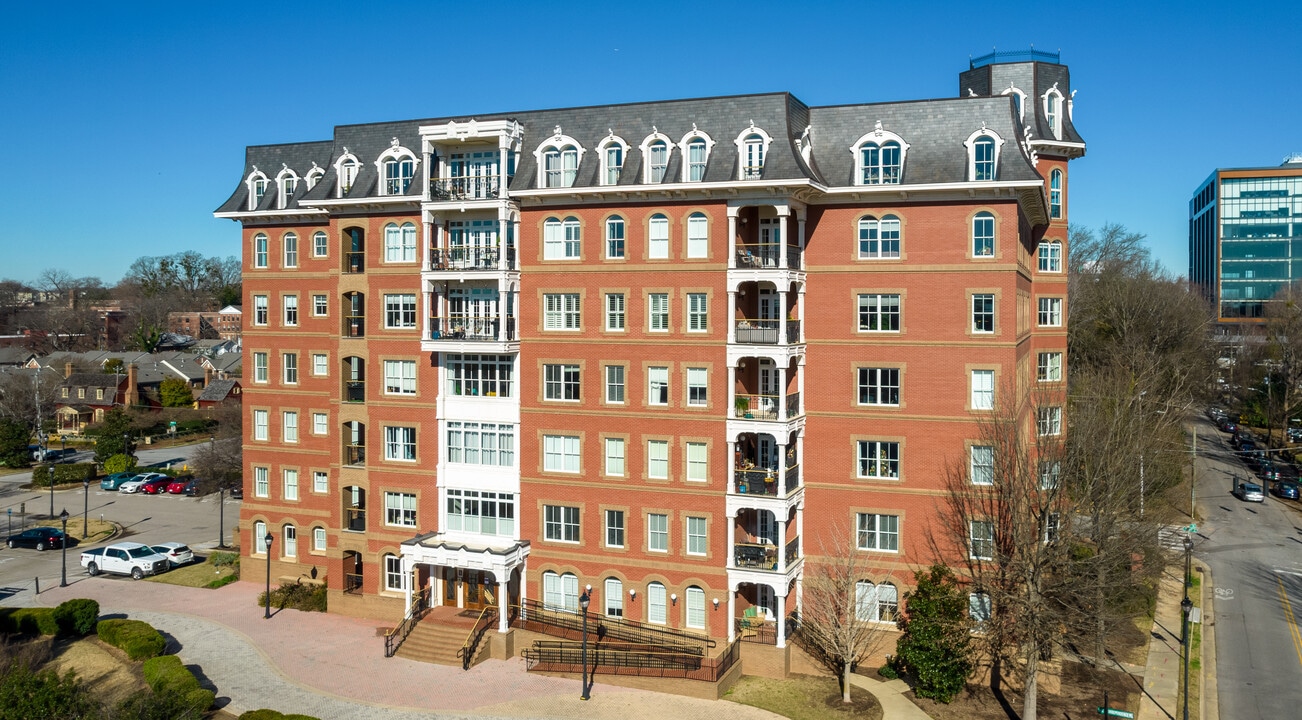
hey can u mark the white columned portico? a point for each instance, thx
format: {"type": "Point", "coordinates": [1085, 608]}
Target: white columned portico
{"type": "Point", "coordinates": [782, 620]}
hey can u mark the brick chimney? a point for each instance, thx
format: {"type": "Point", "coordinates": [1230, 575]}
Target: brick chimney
{"type": "Point", "coordinates": [207, 376]}
{"type": "Point", "coordinates": [67, 370]}
{"type": "Point", "coordinates": [132, 395]}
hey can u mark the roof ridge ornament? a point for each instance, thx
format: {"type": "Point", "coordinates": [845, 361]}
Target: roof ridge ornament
{"type": "Point", "coordinates": [752, 124]}
{"type": "Point", "coordinates": [256, 170]}
{"type": "Point", "coordinates": [654, 130]}
{"type": "Point", "coordinates": [556, 133]}
{"type": "Point", "coordinates": [284, 167]}
{"type": "Point", "coordinates": [983, 126]}
{"type": "Point", "coordinates": [971, 93]}
{"type": "Point", "coordinates": [877, 129]}
{"type": "Point", "coordinates": [694, 128]}
{"type": "Point", "coordinates": [346, 150]}
{"type": "Point", "coordinates": [316, 167]}
{"type": "Point", "coordinates": [394, 143]}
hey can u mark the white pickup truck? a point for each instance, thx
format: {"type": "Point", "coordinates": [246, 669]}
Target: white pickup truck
{"type": "Point", "coordinates": [126, 558]}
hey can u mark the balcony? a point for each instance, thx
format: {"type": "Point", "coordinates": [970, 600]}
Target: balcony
{"type": "Point", "coordinates": [762, 556]}
{"type": "Point", "coordinates": [354, 326]}
{"type": "Point", "coordinates": [355, 391]}
{"type": "Point", "coordinates": [354, 454]}
{"type": "Point", "coordinates": [766, 256]}
{"type": "Point", "coordinates": [475, 187]}
{"type": "Point", "coordinates": [765, 407]}
{"type": "Point", "coordinates": [474, 328]}
{"type": "Point", "coordinates": [752, 172]}
{"type": "Point", "coordinates": [758, 332]}
{"type": "Point", "coordinates": [763, 482]}
{"type": "Point", "coordinates": [471, 257]}
{"type": "Point", "coordinates": [354, 262]}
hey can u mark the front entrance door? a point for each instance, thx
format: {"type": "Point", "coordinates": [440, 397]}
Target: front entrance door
{"type": "Point", "coordinates": [477, 588]}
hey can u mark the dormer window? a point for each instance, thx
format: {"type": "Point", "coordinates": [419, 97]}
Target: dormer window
{"type": "Point", "coordinates": [287, 185]}
{"type": "Point", "coordinates": [1053, 111]}
{"type": "Point", "coordinates": [1055, 194]}
{"type": "Point", "coordinates": [1019, 101]}
{"type": "Point", "coordinates": [879, 156]}
{"type": "Point", "coordinates": [558, 161]}
{"type": "Point", "coordinates": [695, 147]}
{"type": "Point", "coordinates": [655, 157]}
{"type": "Point", "coordinates": [983, 154]}
{"type": "Point", "coordinates": [258, 184]}
{"type": "Point", "coordinates": [752, 147]}
{"type": "Point", "coordinates": [346, 168]}
{"type": "Point", "coordinates": [613, 152]}
{"type": "Point", "coordinates": [314, 176]}
{"type": "Point", "coordinates": [397, 166]}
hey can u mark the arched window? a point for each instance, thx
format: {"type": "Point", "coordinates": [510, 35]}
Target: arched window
{"type": "Point", "coordinates": [655, 603]}
{"type": "Point", "coordinates": [561, 592]}
{"type": "Point", "coordinates": [875, 603]}
{"type": "Point", "coordinates": [752, 156]}
{"type": "Point", "coordinates": [879, 239]}
{"type": "Point", "coordinates": [879, 157]}
{"type": "Point", "coordinates": [698, 236]}
{"type": "Point", "coordinates": [560, 166]}
{"type": "Point", "coordinates": [346, 168]}
{"type": "Point", "coordinates": [320, 244]}
{"type": "Point", "coordinates": [354, 250]}
{"type": "Point", "coordinates": [1055, 194]}
{"type": "Point", "coordinates": [983, 235]}
{"type": "Point", "coordinates": [395, 580]}
{"type": "Point", "coordinates": [398, 173]}
{"type": "Point", "coordinates": [984, 157]}
{"type": "Point", "coordinates": [614, 598]}
{"type": "Point", "coordinates": [613, 152]}
{"type": "Point", "coordinates": [1019, 101]}
{"type": "Point", "coordinates": [658, 237]}
{"type": "Point", "coordinates": [695, 608]}
{"type": "Point", "coordinates": [695, 147]}
{"type": "Point", "coordinates": [289, 548]}
{"type": "Point", "coordinates": [291, 249]}
{"type": "Point", "coordinates": [287, 183]}
{"type": "Point", "coordinates": [318, 539]}
{"type": "Point", "coordinates": [1050, 256]}
{"type": "Point", "coordinates": [399, 243]}
{"type": "Point", "coordinates": [257, 183]}
{"type": "Point", "coordinates": [259, 250]}
{"type": "Point", "coordinates": [561, 239]}
{"type": "Point", "coordinates": [1053, 111]}
{"type": "Point", "coordinates": [314, 176]}
{"type": "Point", "coordinates": [615, 238]}
{"type": "Point", "coordinates": [259, 538]}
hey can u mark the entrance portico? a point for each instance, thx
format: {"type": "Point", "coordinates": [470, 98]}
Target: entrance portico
{"type": "Point", "coordinates": [470, 574]}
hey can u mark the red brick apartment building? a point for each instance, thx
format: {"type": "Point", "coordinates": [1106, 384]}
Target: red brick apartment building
{"type": "Point", "coordinates": [653, 353]}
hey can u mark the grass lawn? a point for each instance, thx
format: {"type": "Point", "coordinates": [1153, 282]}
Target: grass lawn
{"type": "Point", "coordinates": [200, 574]}
{"type": "Point", "coordinates": [804, 697]}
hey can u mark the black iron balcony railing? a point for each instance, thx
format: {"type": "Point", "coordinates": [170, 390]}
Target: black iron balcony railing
{"type": "Point", "coordinates": [354, 262]}
{"type": "Point", "coordinates": [793, 405]}
{"type": "Point", "coordinates": [471, 257]}
{"type": "Point", "coordinates": [482, 328]}
{"type": "Point", "coordinates": [793, 551]}
{"type": "Point", "coordinates": [760, 481]}
{"type": "Point", "coordinates": [355, 519]}
{"type": "Point", "coordinates": [755, 556]}
{"type": "Point", "coordinates": [473, 187]}
{"type": "Point", "coordinates": [752, 172]}
{"type": "Point", "coordinates": [758, 332]}
{"type": "Point", "coordinates": [354, 326]}
{"type": "Point", "coordinates": [793, 332]}
{"type": "Point", "coordinates": [355, 391]}
{"type": "Point", "coordinates": [354, 454]}
{"type": "Point", "coordinates": [353, 583]}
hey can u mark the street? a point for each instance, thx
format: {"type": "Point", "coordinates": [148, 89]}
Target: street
{"type": "Point", "coordinates": [145, 518]}
{"type": "Point", "coordinates": [1254, 551]}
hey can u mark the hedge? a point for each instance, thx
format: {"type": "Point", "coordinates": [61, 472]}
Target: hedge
{"type": "Point", "coordinates": [296, 595]}
{"type": "Point", "coordinates": [138, 639]}
{"type": "Point", "coordinates": [265, 714]}
{"type": "Point", "coordinates": [29, 621]}
{"type": "Point", "coordinates": [167, 674]}
{"type": "Point", "coordinates": [63, 474]}
{"type": "Point", "coordinates": [77, 616]}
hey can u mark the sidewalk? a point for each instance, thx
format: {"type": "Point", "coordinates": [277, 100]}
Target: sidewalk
{"type": "Point", "coordinates": [332, 666]}
{"type": "Point", "coordinates": [890, 694]}
{"type": "Point", "coordinates": [1162, 674]}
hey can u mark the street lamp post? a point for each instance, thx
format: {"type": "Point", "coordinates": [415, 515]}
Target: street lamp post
{"type": "Point", "coordinates": [583, 605]}
{"type": "Point", "coordinates": [50, 478]}
{"type": "Point", "coordinates": [85, 506]}
{"type": "Point", "coordinates": [126, 444]}
{"type": "Point", "coordinates": [269, 539]}
{"type": "Point", "coordinates": [63, 545]}
{"type": "Point", "coordinates": [1186, 605]}
{"type": "Point", "coordinates": [221, 518]}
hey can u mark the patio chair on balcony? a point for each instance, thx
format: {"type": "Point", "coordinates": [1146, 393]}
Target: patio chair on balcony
{"type": "Point", "coordinates": [750, 622]}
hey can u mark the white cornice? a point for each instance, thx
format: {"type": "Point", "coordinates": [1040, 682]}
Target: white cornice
{"type": "Point", "coordinates": [1060, 147]}
{"type": "Point", "coordinates": [266, 214]}
{"type": "Point", "coordinates": [370, 200]}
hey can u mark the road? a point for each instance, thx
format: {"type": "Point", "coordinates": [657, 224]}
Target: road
{"type": "Point", "coordinates": [1255, 555]}
{"type": "Point", "coordinates": [146, 518]}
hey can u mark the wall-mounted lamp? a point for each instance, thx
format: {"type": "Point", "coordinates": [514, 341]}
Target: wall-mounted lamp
{"type": "Point", "coordinates": [673, 598]}
{"type": "Point", "coordinates": [632, 593]}
{"type": "Point", "coordinates": [588, 588]}
{"type": "Point", "coordinates": [716, 603]}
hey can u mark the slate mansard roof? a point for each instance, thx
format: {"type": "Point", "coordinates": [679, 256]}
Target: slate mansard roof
{"type": "Point", "coordinates": [934, 130]}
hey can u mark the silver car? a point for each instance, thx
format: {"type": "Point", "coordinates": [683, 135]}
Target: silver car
{"type": "Point", "coordinates": [176, 553]}
{"type": "Point", "coordinates": [133, 485]}
{"type": "Point", "coordinates": [1250, 492]}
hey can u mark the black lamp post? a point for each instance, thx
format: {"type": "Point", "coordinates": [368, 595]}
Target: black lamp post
{"type": "Point", "coordinates": [269, 539]}
{"type": "Point", "coordinates": [85, 506]}
{"type": "Point", "coordinates": [583, 605]}
{"type": "Point", "coordinates": [126, 444]}
{"type": "Point", "coordinates": [50, 478]}
{"type": "Point", "coordinates": [1186, 605]}
{"type": "Point", "coordinates": [63, 544]}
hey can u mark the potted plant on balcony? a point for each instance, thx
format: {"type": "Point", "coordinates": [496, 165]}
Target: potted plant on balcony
{"type": "Point", "coordinates": [742, 406]}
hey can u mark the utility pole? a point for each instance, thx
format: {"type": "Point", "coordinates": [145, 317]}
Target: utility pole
{"type": "Point", "coordinates": [1193, 473]}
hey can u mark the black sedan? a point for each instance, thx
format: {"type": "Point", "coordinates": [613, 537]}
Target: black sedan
{"type": "Point", "coordinates": [37, 537]}
{"type": "Point", "coordinates": [1286, 489]}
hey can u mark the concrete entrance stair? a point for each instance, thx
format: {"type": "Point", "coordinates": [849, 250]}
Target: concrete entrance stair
{"type": "Point", "coordinates": [438, 637]}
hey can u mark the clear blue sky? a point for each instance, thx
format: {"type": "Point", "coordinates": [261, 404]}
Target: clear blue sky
{"type": "Point", "coordinates": [125, 123]}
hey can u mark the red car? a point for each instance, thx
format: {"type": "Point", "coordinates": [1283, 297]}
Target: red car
{"type": "Point", "coordinates": [156, 486]}
{"type": "Point", "coordinates": [180, 485]}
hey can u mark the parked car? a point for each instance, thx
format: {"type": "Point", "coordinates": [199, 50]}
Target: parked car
{"type": "Point", "coordinates": [133, 485]}
{"type": "Point", "coordinates": [1227, 425]}
{"type": "Point", "coordinates": [114, 481]}
{"type": "Point", "coordinates": [1287, 489]}
{"type": "Point", "coordinates": [127, 558]}
{"type": "Point", "coordinates": [182, 485]}
{"type": "Point", "coordinates": [237, 492]}
{"type": "Point", "coordinates": [1267, 470]}
{"type": "Point", "coordinates": [41, 538]}
{"type": "Point", "coordinates": [176, 553]}
{"type": "Point", "coordinates": [1250, 492]}
{"type": "Point", "coordinates": [156, 485]}
{"type": "Point", "coordinates": [1295, 434]}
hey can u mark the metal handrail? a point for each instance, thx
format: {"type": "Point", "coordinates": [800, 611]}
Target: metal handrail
{"type": "Point", "coordinates": [395, 637]}
{"type": "Point", "coordinates": [352, 583]}
{"type": "Point", "coordinates": [569, 656]}
{"type": "Point", "coordinates": [477, 633]}
{"type": "Point", "coordinates": [533, 611]}
{"type": "Point", "coordinates": [756, 407]}
{"type": "Point", "coordinates": [490, 328]}
{"type": "Point", "coordinates": [465, 187]}
{"type": "Point", "coordinates": [1031, 55]}
{"type": "Point", "coordinates": [470, 257]}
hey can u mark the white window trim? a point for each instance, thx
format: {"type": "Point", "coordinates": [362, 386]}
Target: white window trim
{"type": "Point", "coordinates": [645, 149]}
{"type": "Point", "coordinates": [249, 181]}
{"type": "Point", "coordinates": [970, 144]}
{"type": "Point", "coordinates": [879, 137]}
{"type": "Point", "coordinates": [282, 199]}
{"type": "Point", "coordinates": [1021, 103]}
{"type": "Point", "coordinates": [313, 176]}
{"type": "Point", "coordinates": [682, 150]}
{"type": "Point", "coordinates": [1054, 127]}
{"type": "Point", "coordinates": [557, 141]}
{"type": "Point", "coordinates": [611, 139]}
{"type": "Point", "coordinates": [740, 142]}
{"type": "Point", "coordinates": [339, 172]}
{"type": "Point", "coordinates": [399, 153]}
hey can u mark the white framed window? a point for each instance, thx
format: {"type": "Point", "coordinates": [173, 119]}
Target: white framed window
{"type": "Point", "coordinates": [615, 230]}
{"type": "Point", "coordinates": [400, 311]}
{"type": "Point", "coordinates": [561, 592]}
{"type": "Point", "coordinates": [561, 453]}
{"type": "Point", "coordinates": [983, 154]}
{"type": "Point", "coordinates": [399, 377]}
{"type": "Point", "coordinates": [395, 580]}
{"type": "Point", "coordinates": [561, 311]}
{"type": "Point", "coordinates": [561, 239]}
{"type": "Point", "coordinates": [752, 145]}
{"type": "Point", "coordinates": [658, 237]}
{"type": "Point", "coordinates": [879, 239]}
{"type": "Point", "coordinates": [290, 478]}
{"type": "Point", "coordinates": [1052, 527]}
{"type": "Point", "coordinates": [879, 312]}
{"type": "Point", "coordinates": [400, 243]}
{"type": "Point", "coordinates": [879, 386]}
{"type": "Point", "coordinates": [697, 462]}
{"type": "Point", "coordinates": [561, 382]}
{"type": "Point", "coordinates": [615, 384]}
{"type": "Point", "coordinates": [615, 456]}
{"type": "Point", "coordinates": [400, 509]}
{"type": "Point", "coordinates": [983, 235]}
{"type": "Point", "coordinates": [347, 168]}
{"type": "Point", "coordinates": [260, 310]}
{"type": "Point", "coordinates": [1055, 194]}
{"type": "Point", "coordinates": [479, 375]}
{"type": "Point", "coordinates": [876, 603]}
{"type": "Point", "coordinates": [656, 603]}
{"type": "Point", "coordinates": [695, 147]}
{"type": "Point", "coordinates": [983, 390]}
{"type": "Point", "coordinates": [319, 539]}
{"type": "Point", "coordinates": [698, 236]}
{"type": "Point", "coordinates": [481, 443]}
{"type": "Point", "coordinates": [657, 532]}
{"type": "Point", "coordinates": [695, 613]}
{"type": "Point", "coordinates": [981, 539]}
{"type": "Point", "coordinates": [983, 313]}
{"type": "Point", "coordinates": [561, 523]}
{"type": "Point", "coordinates": [288, 183]}
{"type": "Point", "coordinates": [260, 371]}
{"type": "Point", "coordinates": [1049, 473]}
{"type": "Point", "coordinates": [290, 303]}
{"type": "Point", "coordinates": [880, 163]}
{"type": "Point", "coordinates": [1053, 111]}
{"type": "Point", "coordinates": [320, 483]}
{"type": "Point", "coordinates": [320, 305]}
{"type": "Point", "coordinates": [320, 364]}
{"type": "Point", "coordinates": [260, 419]}
{"type": "Point", "coordinates": [399, 443]}
{"type": "Point", "coordinates": [261, 486]}
{"type": "Point", "coordinates": [320, 244]}
{"type": "Point", "coordinates": [657, 385]}
{"type": "Point", "coordinates": [1050, 311]}
{"type": "Point", "coordinates": [560, 164]}
{"type": "Point", "coordinates": [615, 528]}
{"type": "Point", "coordinates": [658, 312]}
{"type": "Point", "coordinates": [614, 596]}
{"type": "Point", "coordinates": [978, 607]}
{"type": "Point", "coordinates": [259, 538]}
{"type": "Point", "coordinates": [1049, 421]}
{"type": "Point", "coordinates": [398, 173]}
{"type": "Point", "coordinates": [1050, 256]}
{"type": "Point", "coordinates": [698, 312]}
{"type": "Point", "coordinates": [290, 362]}
{"type": "Point", "coordinates": [657, 459]}
{"type": "Point", "coordinates": [483, 513]}
{"type": "Point", "coordinates": [289, 426]}
{"type": "Point", "coordinates": [878, 532]}
{"type": "Point", "coordinates": [613, 153]}
{"type": "Point", "coordinates": [982, 469]}
{"type": "Point", "coordinates": [696, 536]}
{"type": "Point", "coordinates": [615, 312]}
{"type": "Point", "coordinates": [879, 459]}
{"type": "Point", "coordinates": [1048, 367]}
{"type": "Point", "coordinates": [656, 153]}
{"type": "Point", "coordinates": [291, 249]}
{"type": "Point", "coordinates": [259, 251]}
{"type": "Point", "coordinates": [698, 387]}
